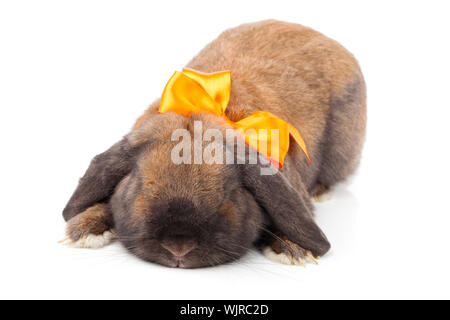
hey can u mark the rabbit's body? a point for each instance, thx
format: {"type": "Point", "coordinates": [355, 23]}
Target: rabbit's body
{"type": "Point", "coordinates": [198, 215]}
{"type": "Point", "coordinates": [303, 77]}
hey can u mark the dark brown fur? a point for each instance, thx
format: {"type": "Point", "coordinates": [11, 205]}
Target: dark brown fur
{"type": "Point", "coordinates": [292, 71]}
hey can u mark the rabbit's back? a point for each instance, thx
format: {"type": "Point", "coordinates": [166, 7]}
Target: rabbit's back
{"type": "Point", "coordinates": [303, 77]}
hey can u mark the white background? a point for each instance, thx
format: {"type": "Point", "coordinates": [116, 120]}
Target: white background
{"type": "Point", "coordinates": [74, 75]}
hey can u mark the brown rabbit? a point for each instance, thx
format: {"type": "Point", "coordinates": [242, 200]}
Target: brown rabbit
{"type": "Point", "coordinates": [207, 214]}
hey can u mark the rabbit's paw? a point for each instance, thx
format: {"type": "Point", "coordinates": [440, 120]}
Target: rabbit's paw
{"type": "Point", "coordinates": [286, 252]}
{"type": "Point", "coordinates": [322, 193]}
{"type": "Point", "coordinates": [89, 229]}
{"type": "Point", "coordinates": [92, 241]}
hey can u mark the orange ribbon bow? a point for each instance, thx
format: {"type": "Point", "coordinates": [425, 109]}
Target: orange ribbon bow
{"type": "Point", "coordinates": [191, 91]}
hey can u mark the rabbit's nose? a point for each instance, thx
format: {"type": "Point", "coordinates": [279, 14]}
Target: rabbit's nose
{"type": "Point", "coordinates": [179, 247]}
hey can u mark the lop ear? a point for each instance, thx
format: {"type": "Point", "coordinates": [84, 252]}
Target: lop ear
{"type": "Point", "coordinates": [286, 207]}
{"type": "Point", "coordinates": [104, 173]}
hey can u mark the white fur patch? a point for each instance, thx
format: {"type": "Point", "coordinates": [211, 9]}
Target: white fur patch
{"type": "Point", "coordinates": [279, 258]}
{"type": "Point", "coordinates": [92, 241]}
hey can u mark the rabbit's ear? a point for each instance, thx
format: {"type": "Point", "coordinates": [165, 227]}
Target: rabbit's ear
{"type": "Point", "coordinates": [104, 173]}
{"type": "Point", "coordinates": [286, 207]}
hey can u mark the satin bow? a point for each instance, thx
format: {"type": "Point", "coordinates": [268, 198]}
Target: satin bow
{"type": "Point", "coordinates": [192, 91]}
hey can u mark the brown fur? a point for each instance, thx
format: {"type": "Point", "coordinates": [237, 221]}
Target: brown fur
{"type": "Point", "coordinates": [229, 211]}
{"type": "Point", "coordinates": [94, 220]}
{"type": "Point", "coordinates": [289, 70]}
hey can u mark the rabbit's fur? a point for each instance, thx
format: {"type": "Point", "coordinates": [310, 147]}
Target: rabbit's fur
{"type": "Point", "coordinates": [206, 214]}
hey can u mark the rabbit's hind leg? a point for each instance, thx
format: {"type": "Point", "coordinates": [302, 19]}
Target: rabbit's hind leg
{"type": "Point", "coordinates": [322, 193]}
{"type": "Point", "coordinates": [344, 138]}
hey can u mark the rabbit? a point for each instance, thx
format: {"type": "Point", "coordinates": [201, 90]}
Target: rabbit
{"type": "Point", "coordinates": [199, 215]}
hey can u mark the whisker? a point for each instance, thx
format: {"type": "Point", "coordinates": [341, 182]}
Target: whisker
{"type": "Point", "coordinates": [274, 235]}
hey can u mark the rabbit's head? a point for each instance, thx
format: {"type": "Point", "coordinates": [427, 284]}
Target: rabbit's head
{"type": "Point", "coordinates": [174, 202]}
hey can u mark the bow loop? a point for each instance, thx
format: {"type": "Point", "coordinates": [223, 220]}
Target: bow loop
{"type": "Point", "coordinates": [217, 85]}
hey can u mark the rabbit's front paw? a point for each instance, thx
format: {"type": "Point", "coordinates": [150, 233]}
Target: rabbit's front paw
{"type": "Point", "coordinates": [286, 252]}
{"type": "Point", "coordinates": [90, 228]}
{"type": "Point", "coordinates": [92, 241]}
